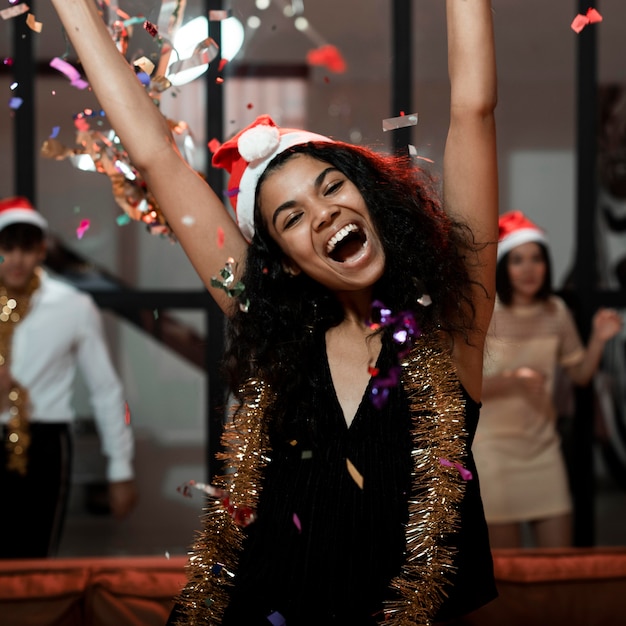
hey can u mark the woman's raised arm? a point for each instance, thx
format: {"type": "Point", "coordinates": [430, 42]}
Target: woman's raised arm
{"type": "Point", "coordinates": [470, 187]}
{"type": "Point", "coordinates": [179, 190]}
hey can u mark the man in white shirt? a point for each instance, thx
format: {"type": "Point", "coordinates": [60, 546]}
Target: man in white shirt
{"type": "Point", "coordinates": [48, 329]}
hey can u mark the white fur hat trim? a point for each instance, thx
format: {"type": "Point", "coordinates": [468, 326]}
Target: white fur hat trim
{"type": "Point", "coordinates": [252, 173]}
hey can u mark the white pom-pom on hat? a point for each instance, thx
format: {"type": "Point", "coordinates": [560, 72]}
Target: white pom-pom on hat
{"type": "Point", "coordinates": [258, 142]}
{"type": "Point", "coordinates": [246, 156]}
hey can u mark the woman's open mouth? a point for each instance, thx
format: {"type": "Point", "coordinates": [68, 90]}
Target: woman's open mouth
{"type": "Point", "coordinates": [346, 244]}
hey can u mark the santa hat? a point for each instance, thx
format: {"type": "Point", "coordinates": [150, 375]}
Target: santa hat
{"type": "Point", "coordinates": [516, 229]}
{"type": "Point", "coordinates": [246, 156]}
{"type": "Point", "coordinates": [20, 211]}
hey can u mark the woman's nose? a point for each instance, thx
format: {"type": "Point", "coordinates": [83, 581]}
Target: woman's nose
{"type": "Point", "coordinates": [324, 216]}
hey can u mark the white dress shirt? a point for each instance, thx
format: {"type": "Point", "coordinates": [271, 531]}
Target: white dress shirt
{"type": "Point", "coordinates": [62, 331]}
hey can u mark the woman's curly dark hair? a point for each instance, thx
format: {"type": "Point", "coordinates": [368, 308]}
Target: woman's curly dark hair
{"type": "Point", "coordinates": [426, 253]}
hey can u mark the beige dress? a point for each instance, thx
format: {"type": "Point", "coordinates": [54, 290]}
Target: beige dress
{"type": "Point", "coordinates": [517, 448]}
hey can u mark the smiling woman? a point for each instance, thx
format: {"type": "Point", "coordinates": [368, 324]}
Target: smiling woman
{"type": "Point", "coordinates": [357, 311]}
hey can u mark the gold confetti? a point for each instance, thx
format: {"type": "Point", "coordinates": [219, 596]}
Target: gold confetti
{"type": "Point", "coordinates": [33, 24]}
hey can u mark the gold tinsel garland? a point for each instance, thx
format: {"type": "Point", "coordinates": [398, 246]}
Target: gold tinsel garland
{"type": "Point", "coordinates": [438, 434]}
{"type": "Point", "coordinates": [12, 311]}
{"type": "Point", "coordinates": [215, 555]}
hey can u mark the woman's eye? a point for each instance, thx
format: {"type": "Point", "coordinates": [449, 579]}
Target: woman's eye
{"type": "Point", "coordinates": [292, 219]}
{"type": "Point", "coordinates": [333, 187]}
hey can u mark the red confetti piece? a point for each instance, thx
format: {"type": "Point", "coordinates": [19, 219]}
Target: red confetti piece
{"type": "Point", "coordinates": [296, 521]}
{"type": "Point", "coordinates": [465, 473]}
{"type": "Point", "coordinates": [81, 124]}
{"type": "Point", "coordinates": [219, 80]}
{"type": "Point", "coordinates": [327, 56]}
{"type": "Point", "coordinates": [222, 64]}
{"type": "Point", "coordinates": [580, 21]}
{"type": "Point", "coordinates": [150, 28]}
{"type": "Point", "coordinates": [214, 144]}
{"type": "Point", "coordinates": [373, 371]}
{"type": "Point", "coordinates": [249, 105]}
{"type": "Point", "coordinates": [220, 237]}
{"type": "Point", "coordinates": [126, 414]}
{"type": "Point", "coordinates": [82, 228]}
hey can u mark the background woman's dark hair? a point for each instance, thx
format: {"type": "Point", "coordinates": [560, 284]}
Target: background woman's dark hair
{"type": "Point", "coordinates": [503, 281]}
{"type": "Point", "coordinates": [426, 253]}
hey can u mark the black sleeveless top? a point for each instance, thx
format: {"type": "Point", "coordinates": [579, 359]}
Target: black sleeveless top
{"type": "Point", "coordinates": [322, 549]}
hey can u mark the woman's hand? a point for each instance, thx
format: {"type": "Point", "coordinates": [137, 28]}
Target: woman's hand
{"type": "Point", "coordinates": [606, 324]}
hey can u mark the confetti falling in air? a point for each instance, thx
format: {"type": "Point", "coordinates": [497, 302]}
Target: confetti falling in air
{"type": "Point", "coordinates": [276, 619]}
{"type": "Point", "coordinates": [188, 220]}
{"type": "Point", "coordinates": [123, 219]}
{"type": "Point", "coordinates": [15, 103]}
{"type": "Point", "coordinates": [150, 28]}
{"type": "Point", "coordinates": [206, 51]}
{"type": "Point", "coordinates": [220, 237]}
{"type": "Point", "coordinates": [55, 132]}
{"type": "Point", "coordinates": [580, 21]}
{"type": "Point", "coordinates": [218, 16]}
{"type": "Point", "coordinates": [33, 24]}
{"type": "Point", "coordinates": [327, 56]}
{"type": "Point", "coordinates": [70, 71]}
{"type": "Point", "coordinates": [167, 554]}
{"type": "Point", "coordinates": [402, 121]}
{"type": "Point", "coordinates": [11, 12]}
{"type": "Point", "coordinates": [83, 227]}
{"type": "Point", "coordinates": [357, 477]}
{"type": "Point", "coordinates": [213, 145]}
{"type": "Point", "coordinates": [465, 473]}
{"type": "Point", "coordinates": [144, 64]}
{"type": "Point", "coordinates": [297, 523]}
{"type": "Point", "coordinates": [126, 414]}
{"type": "Point", "coordinates": [186, 489]}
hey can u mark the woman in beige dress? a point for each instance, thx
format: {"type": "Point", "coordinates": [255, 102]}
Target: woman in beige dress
{"type": "Point", "coordinates": [517, 447]}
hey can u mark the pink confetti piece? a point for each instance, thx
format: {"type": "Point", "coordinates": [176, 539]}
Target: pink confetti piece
{"type": "Point", "coordinates": [580, 21]}
{"type": "Point", "coordinates": [296, 521]}
{"type": "Point", "coordinates": [217, 16]}
{"type": "Point", "coordinates": [82, 228]}
{"type": "Point", "coordinates": [354, 473]}
{"type": "Point", "coordinates": [220, 237]}
{"type": "Point", "coordinates": [465, 473]}
{"type": "Point", "coordinates": [11, 12]}
{"type": "Point", "coordinates": [70, 71]}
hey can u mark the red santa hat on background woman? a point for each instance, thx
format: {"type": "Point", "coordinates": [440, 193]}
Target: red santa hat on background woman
{"type": "Point", "coordinates": [246, 156]}
{"type": "Point", "coordinates": [516, 229]}
{"type": "Point", "coordinates": [20, 211]}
